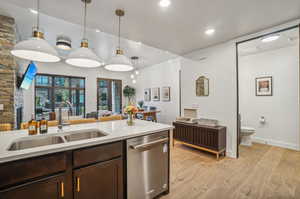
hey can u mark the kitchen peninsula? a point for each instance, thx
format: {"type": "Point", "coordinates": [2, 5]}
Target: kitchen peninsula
{"type": "Point", "coordinates": [83, 161]}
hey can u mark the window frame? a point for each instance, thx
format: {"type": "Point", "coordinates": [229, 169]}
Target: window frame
{"type": "Point", "coordinates": [109, 92]}
{"type": "Point", "coordinates": [53, 87]}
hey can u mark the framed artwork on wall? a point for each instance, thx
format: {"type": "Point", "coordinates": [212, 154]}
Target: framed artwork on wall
{"type": "Point", "coordinates": [264, 86]}
{"type": "Point", "coordinates": [155, 95]}
{"type": "Point", "coordinates": [147, 95]}
{"type": "Point", "coordinates": [165, 96]}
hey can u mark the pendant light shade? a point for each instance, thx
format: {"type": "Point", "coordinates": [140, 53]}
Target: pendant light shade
{"type": "Point", "coordinates": [83, 56]}
{"type": "Point", "coordinates": [63, 42]}
{"type": "Point", "coordinates": [36, 48]}
{"type": "Point", "coordinates": [119, 62]}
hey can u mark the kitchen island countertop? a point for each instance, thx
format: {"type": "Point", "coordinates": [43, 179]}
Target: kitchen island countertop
{"type": "Point", "coordinates": [114, 130]}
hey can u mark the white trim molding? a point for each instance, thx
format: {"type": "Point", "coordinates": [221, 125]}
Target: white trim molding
{"type": "Point", "coordinates": [276, 143]}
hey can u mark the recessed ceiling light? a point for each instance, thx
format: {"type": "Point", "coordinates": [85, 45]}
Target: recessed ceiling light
{"type": "Point", "coordinates": [210, 31]}
{"type": "Point", "coordinates": [33, 11]}
{"type": "Point", "coordinates": [134, 81]}
{"type": "Point", "coordinates": [164, 3]}
{"type": "Point", "coordinates": [270, 38]}
{"type": "Point", "coordinates": [97, 30]}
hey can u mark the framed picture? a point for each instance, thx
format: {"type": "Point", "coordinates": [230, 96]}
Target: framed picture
{"type": "Point", "coordinates": [165, 96]}
{"type": "Point", "coordinates": [155, 94]}
{"type": "Point", "coordinates": [147, 95]}
{"type": "Point", "coordinates": [264, 86]}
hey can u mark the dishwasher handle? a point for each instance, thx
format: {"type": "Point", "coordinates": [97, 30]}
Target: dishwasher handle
{"type": "Point", "coordinates": [149, 144]}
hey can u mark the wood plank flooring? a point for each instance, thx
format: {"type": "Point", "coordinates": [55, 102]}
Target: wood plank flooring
{"type": "Point", "coordinates": [261, 172]}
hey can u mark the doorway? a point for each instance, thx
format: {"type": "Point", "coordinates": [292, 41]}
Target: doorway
{"type": "Point", "coordinates": [109, 95]}
{"type": "Point", "coordinates": [268, 90]}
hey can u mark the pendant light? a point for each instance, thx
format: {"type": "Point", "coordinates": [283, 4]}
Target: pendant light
{"type": "Point", "coordinates": [36, 48]}
{"type": "Point", "coordinates": [83, 56]}
{"type": "Point", "coordinates": [119, 62]}
{"type": "Point", "coordinates": [63, 42]}
{"type": "Point", "coordinates": [135, 60]}
{"type": "Point", "coordinates": [134, 75]}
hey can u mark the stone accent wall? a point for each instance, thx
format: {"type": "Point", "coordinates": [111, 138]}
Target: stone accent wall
{"type": "Point", "coordinates": [8, 67]}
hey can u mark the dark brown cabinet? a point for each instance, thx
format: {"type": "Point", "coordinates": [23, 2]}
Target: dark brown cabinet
{"type": "Point", "coordinates": [99, 181]}
{"type": "Point", "coordinates": [88, 173]}
{"type": "Point", "coordinates": [211, 139]}
{"type": "Point", "coordinates": [50, 188]}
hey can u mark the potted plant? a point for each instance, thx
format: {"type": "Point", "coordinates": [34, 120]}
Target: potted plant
{"type": "Point", "coordinates": [129, 92]}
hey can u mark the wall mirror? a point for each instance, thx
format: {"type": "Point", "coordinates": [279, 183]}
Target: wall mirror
{"type": "Point", "coordinates": [202, 86]}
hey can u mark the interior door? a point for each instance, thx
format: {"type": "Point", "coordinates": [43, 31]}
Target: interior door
{"type": "Point", "coordinates": [48, 188]}
{"type": "Point", "coordinates": [99, 181]}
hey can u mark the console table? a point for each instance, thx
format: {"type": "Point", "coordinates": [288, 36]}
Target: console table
{"type": "Point", "coordinates": [207, 138]}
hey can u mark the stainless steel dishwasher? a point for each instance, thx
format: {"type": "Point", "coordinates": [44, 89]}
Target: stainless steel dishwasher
{"type": "Point", "coordinates": [147, 166]}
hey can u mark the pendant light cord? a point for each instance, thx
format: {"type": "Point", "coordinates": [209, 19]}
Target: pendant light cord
{"type": "Point", "coordinates": [119, 34]}
{"type": "Point", "coordinates": [84, 20]}
{"type": "Point", "coordinates": [38, 15]}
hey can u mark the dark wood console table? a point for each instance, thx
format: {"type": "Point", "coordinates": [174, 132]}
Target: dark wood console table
{"type": "Point", "coordinates": [207, 138]}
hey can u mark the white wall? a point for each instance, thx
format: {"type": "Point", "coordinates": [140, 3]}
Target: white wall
{"type": "Point", "coordinates": [61, 68]}
{"type": "Point", "coordinates": [161, 75]}
{"type": "Point", "coordinates": [219, 66]}
{"type": "Point", "coordinates": [280, 110]}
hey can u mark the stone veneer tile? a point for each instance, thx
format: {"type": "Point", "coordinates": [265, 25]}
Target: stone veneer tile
{"type": "Point", "coordinates": [7, 69]}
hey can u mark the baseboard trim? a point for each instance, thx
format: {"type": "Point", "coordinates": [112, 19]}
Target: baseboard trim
{"type": "Point", "coordinates": [276, 143]}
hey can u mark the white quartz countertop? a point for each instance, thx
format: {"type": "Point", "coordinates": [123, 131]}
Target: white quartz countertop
{"type": "Point", "coordinates": [115, 130]}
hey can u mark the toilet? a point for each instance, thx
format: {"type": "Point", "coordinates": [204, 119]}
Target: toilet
{"type": "Point", "coordinates": [246, 135]}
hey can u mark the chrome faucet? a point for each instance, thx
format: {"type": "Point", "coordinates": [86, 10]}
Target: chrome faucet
{"type": "Point", "coordinates": [60, 120]}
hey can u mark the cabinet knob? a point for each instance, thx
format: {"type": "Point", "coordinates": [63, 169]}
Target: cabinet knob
{"type": "Point", "coordinates": [78, 184]}
{"type": "Point", "coordinates": [62, 189]}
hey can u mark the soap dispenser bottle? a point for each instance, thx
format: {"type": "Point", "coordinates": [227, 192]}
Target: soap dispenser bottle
{"type": "Point", "coordinates": [32, 126]}
{"type": "Point", "coordinates": [43, 126]}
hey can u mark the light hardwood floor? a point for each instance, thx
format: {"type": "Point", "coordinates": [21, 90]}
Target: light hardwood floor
{"type": "Point", "coordinates": [261, 172]}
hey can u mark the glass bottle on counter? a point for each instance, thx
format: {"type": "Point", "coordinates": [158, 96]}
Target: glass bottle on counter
{"type": "Point", "coordinates": [43, 126]}
{"type": "Point", "coordinates": [32, 126]}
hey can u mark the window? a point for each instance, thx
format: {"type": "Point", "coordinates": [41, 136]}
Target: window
{"type": "Point", "coordinates": [109, 95]}
{"type": "Point", "coordinates": [52, 90]}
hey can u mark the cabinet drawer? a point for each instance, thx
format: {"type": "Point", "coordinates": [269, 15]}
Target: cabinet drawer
{"type": "Point", "coordinates": [23, 170]}
{"type": "Point", "coordinates": [91, 155]}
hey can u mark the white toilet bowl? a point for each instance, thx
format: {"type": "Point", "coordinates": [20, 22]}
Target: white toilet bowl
{"type": "Point", "coordinates": [246, 135]}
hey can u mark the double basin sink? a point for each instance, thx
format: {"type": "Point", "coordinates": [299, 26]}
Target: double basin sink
{"type": "Point", "coordinates": [46, 140]}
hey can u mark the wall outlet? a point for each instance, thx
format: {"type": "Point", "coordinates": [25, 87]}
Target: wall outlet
{"type": "Point", "coordinates": [1, 107]}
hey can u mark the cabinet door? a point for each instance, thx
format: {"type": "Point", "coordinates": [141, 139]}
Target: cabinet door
{"type": "Point", "coordinates": [48, 188]}
{"type": "Point", "coordinates": [99, 181]}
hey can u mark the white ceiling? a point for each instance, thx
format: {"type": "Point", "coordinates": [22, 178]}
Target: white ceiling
{"type": "Point", "coordinates": [180, 27]}
{"type": "Point", "coordinates": [103, 44]}
{"type": "Point", "coordinates": [287, 38]}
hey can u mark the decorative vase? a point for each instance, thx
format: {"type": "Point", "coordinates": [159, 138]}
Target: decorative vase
{"type": "Point", "coordinates": [130, 119]}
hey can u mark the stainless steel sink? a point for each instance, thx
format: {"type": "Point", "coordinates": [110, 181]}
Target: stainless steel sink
{"type": "Point", "coordinates": [35, 142]}
{"type": "Point", "coordinates": [83, 135]}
